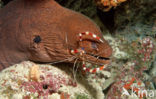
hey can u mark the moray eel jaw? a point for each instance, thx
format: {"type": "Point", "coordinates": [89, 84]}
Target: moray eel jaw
{"type": "Point", "coordinates": [97, 59]}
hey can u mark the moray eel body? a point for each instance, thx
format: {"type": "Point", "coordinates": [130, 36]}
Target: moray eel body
{"type": "Point", "coordinates": [44, 31]}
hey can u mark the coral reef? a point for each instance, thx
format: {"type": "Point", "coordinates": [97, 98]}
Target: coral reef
{"type": "Point", "coordinates": [21, 80]}
{"type": "Point", "coordinates": [106, 5]}
{"type": "Point", "coordinates": [136, 16]}
{"type": "Point", "coordinates": [18, 81]}
{"type": "Point", "coordinates": [133, 60]}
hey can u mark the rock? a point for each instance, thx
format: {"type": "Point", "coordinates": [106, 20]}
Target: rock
{"type": "Point", "coordinates": [136, 16]}
{"type": "Point", "coordinates": [53, 81]}
{"type": "Point", "coordinates": [1, 3]}
{"type": "Point", "coordinates": [54, 96]}
{"type": "Point", "coordinates": [17, 96]}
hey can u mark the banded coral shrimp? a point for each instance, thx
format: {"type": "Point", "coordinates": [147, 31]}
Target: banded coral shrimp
{"type": "Point", "coordinates": [80, 55]}
{"type": "Point", "coordinates": [82, 51]}
{"type": "Point", "coordinates": [91, 50]}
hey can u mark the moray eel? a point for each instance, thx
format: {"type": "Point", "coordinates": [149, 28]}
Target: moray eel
{"type": "Point", "coordinates": [44, 31]}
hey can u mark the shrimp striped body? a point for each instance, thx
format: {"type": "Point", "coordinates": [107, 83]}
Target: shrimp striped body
{"type": "Point", "coordinates": [81, 51]}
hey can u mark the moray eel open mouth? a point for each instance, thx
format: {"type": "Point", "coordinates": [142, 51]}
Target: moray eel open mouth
{"type": "Point", "coordinates": [95, 59]}
{"type": "Point", "coordinates": [99, 57]}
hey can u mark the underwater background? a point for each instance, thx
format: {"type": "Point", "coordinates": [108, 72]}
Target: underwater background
{"type": "Point", "coordinates": [129, 26]}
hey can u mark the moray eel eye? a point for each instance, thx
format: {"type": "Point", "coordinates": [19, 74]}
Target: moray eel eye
{"type": "Point", "coordinates": [37, 39]}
